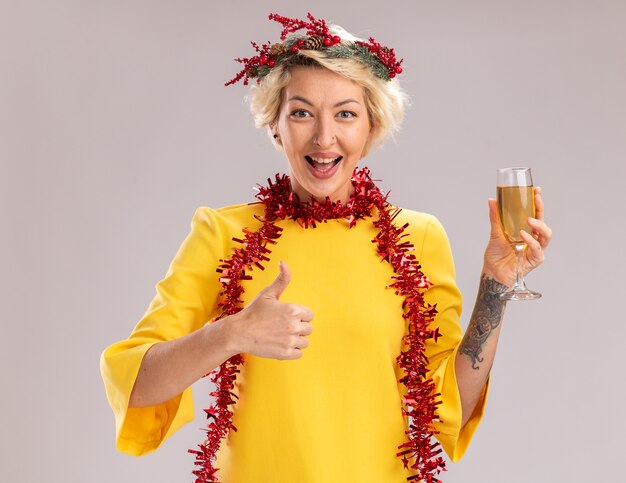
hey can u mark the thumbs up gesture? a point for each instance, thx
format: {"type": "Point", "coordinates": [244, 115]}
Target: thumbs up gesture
{"type": "Point", "coordinates": [270, 328]}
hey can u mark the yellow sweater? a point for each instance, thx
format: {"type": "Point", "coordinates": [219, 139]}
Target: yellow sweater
{"type": "Point", "coordinates": [334, 415]}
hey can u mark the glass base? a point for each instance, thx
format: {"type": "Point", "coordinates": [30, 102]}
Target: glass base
{"type": "Point", "coordinates": [520, 294]}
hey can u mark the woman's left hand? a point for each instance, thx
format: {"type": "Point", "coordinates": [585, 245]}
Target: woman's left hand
{"type": "Point", "coordinates": [500, 261]}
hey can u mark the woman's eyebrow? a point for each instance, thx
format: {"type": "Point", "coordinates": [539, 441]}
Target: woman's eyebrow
{"type": "Point", "coordinates": [306, 101]}
{"type": "Point", "coordinates": [347, 101]}
{"type": "Point", "coordinates": [301, 99]}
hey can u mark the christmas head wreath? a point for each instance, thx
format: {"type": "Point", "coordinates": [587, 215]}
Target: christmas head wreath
{"type": "Point", "coordinates": [380, 59]}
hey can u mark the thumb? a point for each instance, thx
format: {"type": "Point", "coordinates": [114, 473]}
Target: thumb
{"type": "Point", "coordinates": [280, 283]}
{"type": "Point", "coordinates": [494, 219]}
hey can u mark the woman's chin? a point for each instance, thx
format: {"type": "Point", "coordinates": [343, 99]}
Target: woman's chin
{"type": "Point", "coordinates": [332, 182]}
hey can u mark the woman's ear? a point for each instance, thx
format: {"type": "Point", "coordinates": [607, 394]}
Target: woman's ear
{"type": "Point", "coordinates": [273, 131]}
{"type": "Point", "coordinates": [275, 135]}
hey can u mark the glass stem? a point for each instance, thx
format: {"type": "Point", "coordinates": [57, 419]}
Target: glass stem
{"type": "Point", "coordinates": [519, 282]}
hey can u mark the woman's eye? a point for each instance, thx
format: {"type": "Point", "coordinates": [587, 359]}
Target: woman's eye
{"type": "Point", "coordinates": [300, 113]}
{"type": "Point", "coordinates": [346, 114]}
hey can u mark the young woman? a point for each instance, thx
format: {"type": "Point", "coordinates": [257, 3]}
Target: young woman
{"type": "Point", "coordinates": [329, 317]}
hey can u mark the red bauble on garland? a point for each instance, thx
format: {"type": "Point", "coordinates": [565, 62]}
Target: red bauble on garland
{"type": "Point", "coordinates": [420, 403]}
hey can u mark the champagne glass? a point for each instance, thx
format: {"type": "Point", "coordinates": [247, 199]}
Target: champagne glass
{"type": "Point", "coordinates": [516, 202]}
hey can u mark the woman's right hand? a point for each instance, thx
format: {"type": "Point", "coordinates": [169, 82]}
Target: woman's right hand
{"type": "Point", "coordinates": [267, 327]}
{"type": "Point", "coordinates": [270, 328]}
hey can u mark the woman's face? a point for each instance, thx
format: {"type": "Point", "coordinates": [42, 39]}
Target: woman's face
{"type": "Point", "coordinates": [323, 127]}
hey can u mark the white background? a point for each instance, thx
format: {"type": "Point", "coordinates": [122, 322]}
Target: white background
{"type": "Point", "coordinates": [115, 125]}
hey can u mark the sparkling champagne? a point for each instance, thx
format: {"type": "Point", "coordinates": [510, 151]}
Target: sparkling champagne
{"type": "Point", "coordinates": [515, 205]}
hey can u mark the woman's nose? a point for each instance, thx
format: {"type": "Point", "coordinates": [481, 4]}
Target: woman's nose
{"type": "Point", "coordinates": [324, 134]}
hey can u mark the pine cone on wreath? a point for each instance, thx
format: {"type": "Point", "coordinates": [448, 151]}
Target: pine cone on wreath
{"type": "Point", "coordinates": [313, 43]}
{"type": "Point", "coordinates": [277, 49]}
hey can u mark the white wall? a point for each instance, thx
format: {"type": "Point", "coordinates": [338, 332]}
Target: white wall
{"type": "Point", "coordinates": [115, 126]}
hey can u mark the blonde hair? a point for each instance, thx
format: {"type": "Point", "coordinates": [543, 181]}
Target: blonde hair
{"type": "Point", "coordinates": [385, 100]}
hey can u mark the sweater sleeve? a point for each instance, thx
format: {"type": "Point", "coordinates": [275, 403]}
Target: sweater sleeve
{"type": "Point", "coordinates": [437, 263]}
{"type": "Point", "coordinates": [185, 300]}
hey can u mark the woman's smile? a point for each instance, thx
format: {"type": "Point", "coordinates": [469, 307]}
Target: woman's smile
{"type": "Point", "coordinates": [323, 164]}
